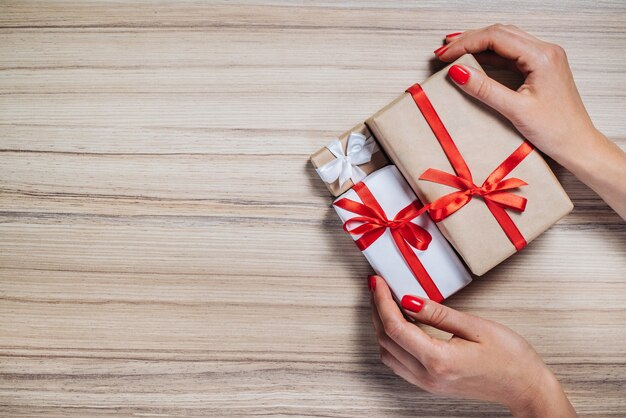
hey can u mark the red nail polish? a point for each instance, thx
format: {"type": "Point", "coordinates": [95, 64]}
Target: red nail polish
{"type": "Point", "coordinates": [412, 303]}
{"type": "Point", "coordinates": [441, 50]}
{"type": "Point", "coordinates": [459, 74]}
{"type": "Point", "coordinates": [453, 34]}
{"type": "Point", "coordinates": [371, 283]}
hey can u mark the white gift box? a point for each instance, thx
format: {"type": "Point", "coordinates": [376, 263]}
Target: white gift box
{"type": "Point", "coordinates": [393, 194]}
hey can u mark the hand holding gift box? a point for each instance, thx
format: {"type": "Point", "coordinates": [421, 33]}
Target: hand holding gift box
{"type": "Point", "coordinates": [489, 190]}
{"type": "Point", "coordinates": [397, 237]}
{"type": "Point", "coordinates": [492, 193]}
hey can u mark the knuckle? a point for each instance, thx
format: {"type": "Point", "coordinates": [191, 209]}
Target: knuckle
{"type": "Point", "coordinates": [496, 28]}
{"type": "Point", "coordinates": [559, 52]}
{"type": "Point", "coordinates": [440, 364]}
{"type": "Point", "coordinates": [554, 51]}
{"type": "Point", "coordinates": [385, 358]}
{"type": "Point", "coordinates": [483, 89]}
{"type": "Point", "coordinates": [439, 369]}
{"type": "Point", "coordinates": [433, 386]}
{"type": "Point", "coordinates": [394, 329]}
{"type": "Point", "coordinates": [436, 368]}
{"type": "Point", "coordinates": [438, 315]}
{"type": "Point", "coordinates": [550, 54]}
{"type": "Point", "coordinates": [383, 340]}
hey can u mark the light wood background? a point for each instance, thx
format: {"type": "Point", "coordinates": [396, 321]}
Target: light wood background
{"type": "Point", "coordinates": [166, 249]}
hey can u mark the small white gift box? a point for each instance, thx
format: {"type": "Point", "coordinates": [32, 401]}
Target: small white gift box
{"type": "Point", "coordinates": [398, 238]}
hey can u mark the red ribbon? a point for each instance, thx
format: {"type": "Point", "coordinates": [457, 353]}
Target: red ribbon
{"type": "Point", "coordinates": [373, 222]}
{"type": "Point", "coordinates": [494, 190]}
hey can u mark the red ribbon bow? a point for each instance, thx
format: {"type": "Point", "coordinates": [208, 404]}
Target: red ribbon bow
{"type": "Point", "coordinates": [373, 222]}
{"type": "Point", "coordinates": [494, 189]}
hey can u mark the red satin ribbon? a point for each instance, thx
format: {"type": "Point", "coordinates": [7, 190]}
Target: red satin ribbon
{"type": "Point", "coordinates": [494, 190]}
{"type": "Point", "coordinates": [373, 222]}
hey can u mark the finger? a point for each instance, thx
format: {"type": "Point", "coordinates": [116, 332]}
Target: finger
{"type": "Point", "coordinates": [408, 336]}
{"type": "Point", "coordinates": [479, 85]}
{"type": "Point", "coordinates": [466, 326]}
{"type": "Point", "coordinates": [407, 359]}
{"type": "Point", "coordinates": [453, 36]}
{"type": "Point", "coordinates": [498, 38]}
{"type": "Point", "coordinates": [398, 368]}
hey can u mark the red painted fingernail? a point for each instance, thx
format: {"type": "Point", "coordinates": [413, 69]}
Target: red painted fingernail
{"type": "Point", "coordinates": [441, 50]}
{"type": "Point", "coordinates": [459, 74]}
{"type": "Point", "coordinates": [453, 34]}
{"type": "Point", "coordinates": [412, 303]}
{"type": "Point", "coordinates": [371, 283]}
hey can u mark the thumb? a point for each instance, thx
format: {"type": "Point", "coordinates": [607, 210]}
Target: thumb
{"type": "Point", "coordinates": [479, 85]}
{"type": "Point", "coordinates": [431, 313]}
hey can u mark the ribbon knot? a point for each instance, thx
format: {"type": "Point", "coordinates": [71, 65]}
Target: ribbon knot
{"type": "Point", "coordinates": [372, 223]}
{"type": "Point", "coordinates": [345, 166]}
{"type": "Point", "coordinates": [495, 190]}
{"type": "Point", "coordinates": [476, 191]}
{"type": "Point", "coordinates": [395, 224]}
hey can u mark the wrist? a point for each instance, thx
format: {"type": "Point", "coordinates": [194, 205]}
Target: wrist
{"type": "Point", "coordinates": [585, 151]}
{"type": "Point", "coordinates": [600, 164]}
{"type": "Point", "coordinates": [544, 398]}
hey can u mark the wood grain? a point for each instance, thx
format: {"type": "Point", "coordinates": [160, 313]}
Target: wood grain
{"type": "Point", "coordinates": [165, 248]}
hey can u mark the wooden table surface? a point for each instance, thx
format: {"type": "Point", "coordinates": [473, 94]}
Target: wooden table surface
{"type": "Point", "coordinates": [166, 249]}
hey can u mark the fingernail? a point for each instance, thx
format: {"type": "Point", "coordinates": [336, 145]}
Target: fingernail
{"type": "Point", "coordinates": [459, 74]}
{"type": "Point", "coordinates": [412, 303]}
{"type": "Point", "coordinates": [441, 50]}
{"type": "Point", "coordinates": [371, 283]}
{"type": "Point", "coordinates": [453, 34]}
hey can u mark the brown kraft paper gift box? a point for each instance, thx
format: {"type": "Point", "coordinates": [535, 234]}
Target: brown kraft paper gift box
{"type": "Point", "coordinates": [324, 156]}
{"type": "Point", "coordinates": [485, 139]}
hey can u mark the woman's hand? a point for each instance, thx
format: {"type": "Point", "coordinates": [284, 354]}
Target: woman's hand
{"type": "Point", "coordinates": [546, 109]}
{"type": "Point", "coordinates": [483, 360]}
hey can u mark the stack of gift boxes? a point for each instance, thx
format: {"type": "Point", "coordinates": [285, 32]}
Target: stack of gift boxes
{"type": "Point", "coordinates": [436, 170]}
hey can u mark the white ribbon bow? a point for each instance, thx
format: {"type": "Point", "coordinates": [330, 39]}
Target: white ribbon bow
{"type": "Point", "coordinates": [345, 166]}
